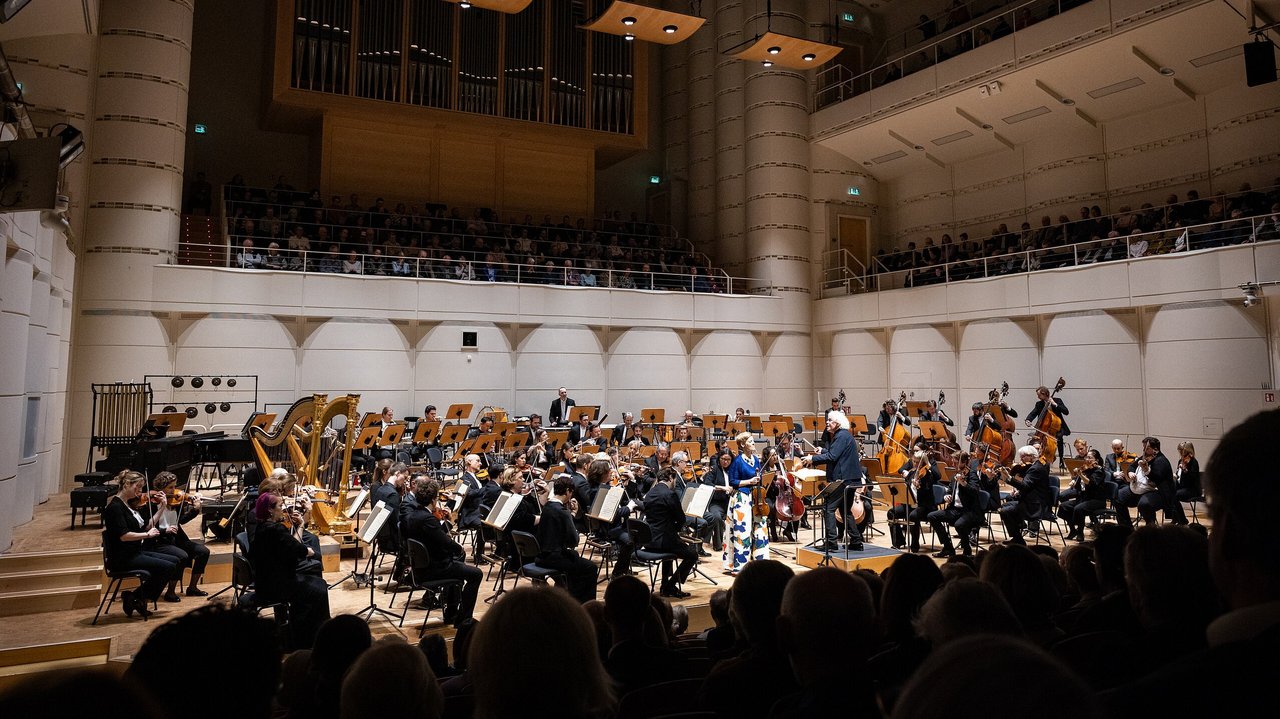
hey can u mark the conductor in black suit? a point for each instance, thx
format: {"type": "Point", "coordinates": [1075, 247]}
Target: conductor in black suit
{"type": "Point", "coordinates": [1032, 497]}
{"type": "Point", "coordinates": [665, 516]}
{"type": "Point", "coordinates": [558, 542]}
{"type": "Point", "coordinates": [558, 415]}
{"type": "Point", "coordinates": [844, 463]}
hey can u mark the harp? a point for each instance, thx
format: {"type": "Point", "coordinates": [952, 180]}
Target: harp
{"type": "Point", "coordinates": [328, 466]}
{"type": "Point", "coordinates": [283, 446]}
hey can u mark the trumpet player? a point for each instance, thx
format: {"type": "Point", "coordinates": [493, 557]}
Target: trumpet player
{"type": "Point", "coordinates": [1089, 494]}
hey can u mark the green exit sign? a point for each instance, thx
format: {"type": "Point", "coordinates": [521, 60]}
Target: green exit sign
{"type": "Point", "coordinates": [201, 129]}
{"type": "Point", "coordinates": [846, 17]}
{"type": "Point", "coordinates": [655, 180]}
{"type": "Point", "coordinates": [855, 191]}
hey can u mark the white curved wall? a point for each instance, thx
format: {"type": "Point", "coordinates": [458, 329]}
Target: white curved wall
{"type": "Point", "coordinates": [554, 356]}
{"type": "Point", "coordinates": [726, 372]}
{"type": "Point", "coordinates": [445, 373]}
{"type": "Point", "coordinates": [647, 368]}
{"type": "Point", "coordinates": [372, 355]}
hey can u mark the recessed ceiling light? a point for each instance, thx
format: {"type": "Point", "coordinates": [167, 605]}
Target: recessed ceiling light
{"type": "Point", "coordinates": [985, 126]}
{"type": "Point", "coordinates": [1166, 71]}
{"type": "Point", "coordinates": [464, 4]}
{"type": "Point", "coordinates": [809, 57]}
{"type": "Point", "coordinates": [775, 50]}
{"type": "Point", "coordinates": [1068, 102]}
{"type": "Point", "coordinates": [628, 21]}
{"type": "Point", "coordinates": [629, 37]}
{"type": "Point", "coordinates": [669, 29]}
{"type": "Point", "coordinates": [767, 63]}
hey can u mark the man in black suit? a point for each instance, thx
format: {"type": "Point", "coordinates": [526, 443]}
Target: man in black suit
{"type": "Point", "coordinates": [1150, 487]}
{"type": "Point", "coordinates": [558, 542]}
{"type": "Point", "coordinates": [446, 555]}
{"type": "Point", "coordinates": [665, 516]}
{"type": "Point", "coordinates": [388, 493]}
{"type": "Point", "coordinates": [1161, 474]}
{"type": "Point", "coordinates": [962, 509]}
{"type": "Point", "coordinates": [581, 431]}
{"type": "Point", "coordinates": [1045, 399]}
{"type": "Point", "coordinates": [469, 514]}
{"type": "Point", "coordinates": [485, 427]}
{"type": "Point", "coordinates": [558, 415]}
{"type": "Point", "coordinates": [624, 431]}
{"type": "Point", "coordinates": [1032, 494]}
{"type": "Point", "coordinates": [843, 462]}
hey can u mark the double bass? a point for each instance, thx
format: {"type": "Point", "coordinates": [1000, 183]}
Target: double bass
{"type": "Point", "coordinates": [1049, 425]}
{"type": "Point", "coordinates": [893, 451]}
{"type": "Point", "coordinates": [997, 445]}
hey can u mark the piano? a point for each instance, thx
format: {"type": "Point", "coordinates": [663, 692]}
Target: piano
{"type": "Point", "coordinates": [152, 456]}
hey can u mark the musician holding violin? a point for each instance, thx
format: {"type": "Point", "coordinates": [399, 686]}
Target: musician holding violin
{"type": "Point", "coordinates": [748, 538]}
{"type": "Point", "coordinates": [124, 537]}
{"type": "Point", "coordinates": [178, 508]}
{"type": "Point", "coordinates": [685, 475]}
{"type": "Point", "coordinates": [1031, 495]}
{"type": "Point", "coordinates": [276, 555]}
{"type": "Point", "coordinates": [424, 525]}
{"type": "Point", "coordinates": [920, 476]}
{"type": "Point", "coordinates": [665, 517]}
{"type": "Point", "coordinates": [962, 508]}
{"type": "Point", "coordinates": [1089, 494]}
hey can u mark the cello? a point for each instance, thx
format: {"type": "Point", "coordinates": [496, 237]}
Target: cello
{"type": "Point", "coordinates": [893, 453]}
{"type": "Point", "coordinates": [1049, 424]}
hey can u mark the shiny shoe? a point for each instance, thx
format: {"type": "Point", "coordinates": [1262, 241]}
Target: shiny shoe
{"type": "Point", "coordinates": [126, 601]}
{"type": "Point", "coordinates": [196, 592]}
{"type": "Point", "coordinates": [675, 593]}
{"type": "Point", "coordinates": [944, 554]}
{"type": "Point", "coordinates": [140, 606]}
{"type": "Point", "coordinates": [171, 597]}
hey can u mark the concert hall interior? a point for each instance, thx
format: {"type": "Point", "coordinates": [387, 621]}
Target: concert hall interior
{"type": "Point", "coordinates": [960, 225]}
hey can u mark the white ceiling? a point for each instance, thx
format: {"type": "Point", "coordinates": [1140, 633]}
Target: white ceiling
{"type": "Point", "coordinates": [949, 129]}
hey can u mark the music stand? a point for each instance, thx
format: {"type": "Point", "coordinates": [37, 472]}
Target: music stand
{"type": "Point", "coordinates": [453, 433]}
{"type": "Point", "coordinates": [785, 418]}
{"type": "Point", "coordinates": [858, 423]}
{"type": "Point", "coordinates": [504, 429]}
{"type": "Point", "coordinates": [353, 512]}
{"type": "Point", "coordinates": [647, 450]}
{"type": "Point", "coordinates": [697, 433]}
{"type": "Point", "coordinates": [484, 444]}
{"type": "Point", "coordinates": [915, 408]}
{"type": "Point", "coordinates": [369, 419]}
{"type": "Point", "coordinates": [515, 441]}
{"type": "Point", "coordinates": [392, 435]}
{"type": "Point", "coordinates": [653, 415]}
{"type": "Point", "coordinates": [504, 508]}
{"type": "Point", "coordinates": [816, 423]}
{"type": "Point", "coordinates": [820, 500]}
{"type": "Point", "coordinates": [715, 422]}
{"type": "Point", "coordinates": [377, 518]}
{"type": "Point", "coordinates": [773, 428]}
{"type": "Point", "coordinates": [426, 431]}
{"type": "Point", "coordinates": [733, 429]}
{"type": "Point", "coordinates": [693, 449]}
{"type": "Point", "coordinates": [591, 410]}
{"type": "Point", "coordinates": [458, 412]}
{"type": "Point", "coordinates": [933, 431]}
{"type": "Point", "coordinates": [755, 424]}
{"type": "Point", "coordinates": [173, 421]}
{"type": "Point", "coordinates": [1073, 464]}
{"type": "Point", "coordinates": [368, 437]}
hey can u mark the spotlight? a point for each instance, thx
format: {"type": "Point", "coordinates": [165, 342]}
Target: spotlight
{"type": "Point", "coordinates": [72, 145]}
{"type": "Point", "coordinates": [1068, 102]}
{"type": "Point", "coordinates": [669, 29]}
{"type": "Point", "coordinates": [775, 50]}
{"type": "Point", "coordinates": [628, 37]}
{"type": "Point", "coordinates": [767, 63]}
{"type": "Point", "coordinates": [1251, 296]}
{"type": "Point", "coordinates": [464, 4]}
{"type": "Point", "coordinates": [628, 21]}
{"type": "Point", "coordinates": [809, 57]}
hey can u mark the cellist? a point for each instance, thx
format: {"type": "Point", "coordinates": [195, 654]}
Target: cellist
{"type": "Point", "coordinates": [1046, 402]}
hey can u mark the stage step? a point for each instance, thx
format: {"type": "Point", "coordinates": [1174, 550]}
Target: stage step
{"type": "Point", "coordinates": [36, 580]}
{"type": "Point", "coordinates": [19, 663]}
{"type": "Point", "coordinates": [44, 561]}
{"type": "Point", "coordinates": [38, 601]}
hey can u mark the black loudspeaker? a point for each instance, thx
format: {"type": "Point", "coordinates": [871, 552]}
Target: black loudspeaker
{"type": "Point", "coordinates": [1259, 63]}
{"type": "Point", "coordinates": [469, 341]}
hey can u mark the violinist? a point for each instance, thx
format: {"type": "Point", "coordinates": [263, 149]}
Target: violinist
{"type": "Point", "coordinates": [580, 432]}
{"type": "Point", "coordinates": [125, 532]}
{"type": "Point", "coordinates": [843, 463]}
{"type": "Point", "coordinates": [658, 461]}
{"type": "Point", "coordinates": [1151, 487]}
{"type": "Point", "coordinates": [665, 516]}
{"type": "Point", "coordinates": [684, 477]}
{"type": "Point", "coordinates": [469, 511]}
{"type": "Point", "coordinates": [1046, 402]}
{"type": "Point", "coordinates": [581, 488]}
{"type": "Point", "coordinates": [446, 555]}
{"type": "Point", "coordinates": [386, 489]}
{"type": "Point", "coordinates": [558, 540]}
{"type": "Point", "coordinates": [1187, 474]}
{"type": "Point", "coordinates": [718, 508]}
{"type": "Point", "coordinates": [181, 508]}
{"type": "Point", "coordinates": [275, 558]}
{"type": "Point", "coordinates": [962, 509]}
{"type": "Point", "coordinates": [1031, 494]}
{"type": "Point", "coordinates": [625, 431]}
{"type": "Point", "coordinates": [1119, 455]}
{"type": "Point", "coordinates": [921, 475]}
{"type": "Point", "coordinates": [1089, 494]}
{"type": "Point", "coordinates": [1081, 448]}
{"type": "Point", "coordinates": [600, 476]}
{"type": "Point", "coordinates": [748, 538]}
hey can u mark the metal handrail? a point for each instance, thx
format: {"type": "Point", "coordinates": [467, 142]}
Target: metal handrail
{"type": "Point", "coordinates": [975, 17]}
{"type": "Point", "coordinates": [1251, 230]}
{"type": "Point", "coordinates": [551, 272]}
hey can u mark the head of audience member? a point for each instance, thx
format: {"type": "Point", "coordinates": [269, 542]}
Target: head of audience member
{"type": "Point", "coordinates": [908, 584]}
{"type": "Point", "coordinates": [1045, 687]}
{"type": "Point", "coordinates": [679, 620]}
{"type": "Point", "coordinates": [756, 600]}
{"type": "Point", "coordinates": [1108, 556]}
{"type": "Point", "coordinates": [718, 605]}
{"type": "Point", "coordinates": [436, 650]}
{"type": "Point", "coordinates": [951, 571]}
{"type": "Point", "coordinates": [226, 637]}
{"type": "Point", "coordinates": [79, 692]}
{"type": "Point", "coordinates": [626, 607]}
{"type": "Point", "coordinates": [1167, 572]}
{"type": "Point", "coordinates": [507, 644]}
{"type": "Point", "coordinates": [1242, 490]}
{"type": "Point", "coordinates": [391, 679]}
{"type": "Point", "coordinates": [875, 583]}
{"type": "Point", "coordinates": [339, 642]}
{"type": "Point", "coordinates": [963, 608]}
{"type": "Point", "coordinates": [826, 625]}
{"type": "Point", "coordinates": [604, 636]}
{"type": "Point", "coordinates": [1020, 575]}
{"type": "Point", "coordinates": [1077, 562]}
{"type": "Point", "coordinates": [657, 629]}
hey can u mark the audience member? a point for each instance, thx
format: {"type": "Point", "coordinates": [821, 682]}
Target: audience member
{"type": "Point", "coordinates": [391, 679]}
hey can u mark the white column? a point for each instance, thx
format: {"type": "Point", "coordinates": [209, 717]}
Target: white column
{"type": "Point", "coordinates": [675, 122]}
{"type": "Point", "coordinates": [700, 94]}
{"type": "Point", "coordinates": [730, 158]}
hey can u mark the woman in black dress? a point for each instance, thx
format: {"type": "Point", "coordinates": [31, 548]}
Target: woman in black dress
{"type": "Point", "coordinates": [123, 538]}
{"type": "Point", "coordinates": [275, 554]}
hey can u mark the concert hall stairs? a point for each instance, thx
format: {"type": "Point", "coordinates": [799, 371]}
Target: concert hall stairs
{"type": "Point", "coordinates": [36, 582]}
{"type": "Point", "coordinates": [200, 243]}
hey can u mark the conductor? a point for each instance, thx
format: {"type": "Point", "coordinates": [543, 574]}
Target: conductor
{"type": "Point", "coordinates": [843, 463]}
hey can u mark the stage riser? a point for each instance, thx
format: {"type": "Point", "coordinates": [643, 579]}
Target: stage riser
{"type": "Point", "coordinates": [46, 561]}
{"type": "Point", "coordinates": [874, 558]}
{"type": "Point", "coordinates": [50, 579]}
{"type": "Point", "coordinates": [50, 600]}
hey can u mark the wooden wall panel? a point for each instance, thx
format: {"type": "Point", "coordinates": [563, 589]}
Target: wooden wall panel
{"type": "Point", "coordinates": [403, 163]}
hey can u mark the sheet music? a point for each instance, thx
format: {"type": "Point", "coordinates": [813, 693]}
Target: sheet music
{"type": "Point", "coordinates": [377, 518]}
{"type": "Point", "coordinates": [696, 499]}
{"type": "Point", "coordinates": [357, 504]}
{"type": "Point", "coordinates": [605, 508]}
{"type": "Point", "coordinates": [503, 510]}
{"type": "Point", "coordinates": [460, 489]}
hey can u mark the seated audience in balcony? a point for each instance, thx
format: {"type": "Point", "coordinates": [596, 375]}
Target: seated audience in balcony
{"type": "Point", "coordinates": [331, 262]}
{"type": "Point", "coordinates": [249, 258]}
{"type": "Point", "coordinates": [352, 265]}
